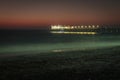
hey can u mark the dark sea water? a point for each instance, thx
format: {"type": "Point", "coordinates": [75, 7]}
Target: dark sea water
{"type": "Point", "coordinates": [40, 55]}
{"type": "Point", "coordinates": [44, 41]}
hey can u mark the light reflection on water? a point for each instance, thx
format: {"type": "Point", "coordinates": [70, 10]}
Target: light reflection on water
{"type": "Point", "coordinates": [62, 43]}
{"type": "Point", "coordinates": [66, 32]}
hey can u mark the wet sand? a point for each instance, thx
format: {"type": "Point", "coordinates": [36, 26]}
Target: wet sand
{"type": "Point", "coordinates": [93, 64]}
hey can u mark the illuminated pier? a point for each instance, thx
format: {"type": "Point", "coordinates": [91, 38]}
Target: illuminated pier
{"type": "Point", "coordinates": [61, 27]}
{"type": "Point", "coordinates": [83, 29]}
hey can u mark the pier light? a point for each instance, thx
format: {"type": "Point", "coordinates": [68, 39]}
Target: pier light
{"type": "Point", "coordinates": [65, 27]}
{"type": "Point", "coordinates": [72, 27]}
{"type": "Point", "coordinates": [85, 26]}
{"type": "Point", "coordinates": [79, 27]}
{"type": "Point", "coordinates": [82, 26]}
{"type": "Point", "coordinates": [93, 26]}
{"type": "Point", "coordinates": [89, 26]}
{"type": "Point", "coordinates": [54, 27]}
{"type": "Point", "coordinates": [68, 27]}
{"type": "Point", "coordinates": [97, 26]}
{"type": "Point", "coordinates": [75, 27]}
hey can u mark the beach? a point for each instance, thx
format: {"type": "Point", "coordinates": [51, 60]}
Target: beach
{"type": "Point", "coordinates": [31, 55]}
{"type": "Point", "coordinates": [94, 64]}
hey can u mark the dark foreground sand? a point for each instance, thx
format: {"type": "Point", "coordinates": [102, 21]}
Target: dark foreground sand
{"type": "Point", "coordinates": [96, 64]}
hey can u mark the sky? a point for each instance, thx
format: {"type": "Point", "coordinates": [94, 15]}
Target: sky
{"type": "Point", "coordinates": [65, 12]}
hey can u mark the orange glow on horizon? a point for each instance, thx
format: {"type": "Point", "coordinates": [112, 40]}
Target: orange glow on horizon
{"type": "Point", "coordinates": [37, 23]}
{"type": "Point", "coordinates": [23, 23]}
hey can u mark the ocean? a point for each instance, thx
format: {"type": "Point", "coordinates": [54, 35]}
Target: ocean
{"type": "Point", "coordinates": [44, 41]}
{"type": "Point", "coordinates": [41, 55]}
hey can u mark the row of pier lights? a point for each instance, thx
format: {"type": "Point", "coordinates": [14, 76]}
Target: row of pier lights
{"type": "Point", "coordinates": [62, 27]}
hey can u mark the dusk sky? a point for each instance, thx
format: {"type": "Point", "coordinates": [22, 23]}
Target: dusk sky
{"type": "Point", "coordinates": [47, 12]}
